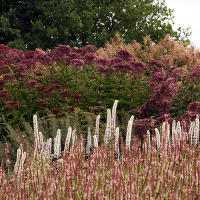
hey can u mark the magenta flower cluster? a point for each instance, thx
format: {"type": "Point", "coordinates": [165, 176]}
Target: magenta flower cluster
{"type": "Point", "coordinates": [164, 89]}
{"type": "Point", "coordinates": [162, 82]}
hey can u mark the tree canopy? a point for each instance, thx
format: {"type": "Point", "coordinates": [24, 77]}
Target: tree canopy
{"type": "Point", "coordinates": [30, 24]}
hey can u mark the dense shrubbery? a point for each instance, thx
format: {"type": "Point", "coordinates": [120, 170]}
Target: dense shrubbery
{"type": "Point", "coordinates": [151, 81]}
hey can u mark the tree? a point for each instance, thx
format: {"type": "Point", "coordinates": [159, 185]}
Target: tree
{"type": "Point", "coordinates": [16, 21]}
{"type": "Point", "coordinates": [45, 24]}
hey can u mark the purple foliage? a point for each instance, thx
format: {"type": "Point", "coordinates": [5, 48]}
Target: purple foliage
{"type": "Point", "coordinates": [141, 126]}
{"type": "Point", "coordinates": [42, 58]}
{"type": "Point", "coordinates": [156, 63]}
{"type": "Point", "coordinates": [53, 80]}
{"type": "Point", "coordinates": [136, 112]}
{"type": "Point", "coordinates": [122, 67]}
{"type": "Point", "coordinates": [75, 56]}
{"type": "Point", "coordinates": [19, 68]}
{"type": "Point", "coordinates": [90, 49]}
{"type": "Point", "coordinates": [65, 93]}
{"type": "Point", "coordinates": [12, 104]}
{"type": "Point", "coordinates": [9, 78]}
{"type": "Point", "coordinates": [56, 86]}
{"type": "Point", "coordinates": [165, 117]}
{"type": "Point", "coordinates": [41, 87]}
{"type": "Point", "coordinates": [76, 62]}
{"type": "Point", "coordinates": [175, 72]}
{"type": "Point", "coordinates": [60, 51]}
{"type": "Point", "coordinates": [194, 106]}
{"type": "Point", "coordinates": [164, 89]}
{"type": "Point", "coordinates": [78, 96]}
{"type": "Point", "coordinates": [55, 110]}
{"type": "Point", "coordinates": [195, 73]}
{"type": "Point", "coordinates": [189, 116]}
{"type": "Point", "coordinates": [160, 100]}
{"type": "Point", "coordinates": [4, 69]}
{"type": "Point", "coordinates": [158, 76]}
{"type": "Point", "coordinates": [43, 102]}
{"type": "Point", "coordinates": [101, 68]}
{"type": "Point", "coordinates": [28, 62]}
{"type": "Point", "coordinates": [30, 54]}
{"type": "Point", "coordinates": [14, 54]}
{"type": "Point", "coordinates": [30, 84]}
{"type": "Point", "coordinates": [4, 61]}
{"type": "Point", "coordinates": [67, 59]}
{"type": "Point", "coordinates": [124, 54]}
{"type": "Point", "coordinates": [4, 48]}
{"type": "Point", "coordinates": [78, 50]}
{"type": "Point", "coordinates": [3, 94]}
{"type": "Point", "coordinates": [138, 67]}
{"type": "Point", "coordinates": [38, 73]}
{"type": "Point", "coordinates": [103, 62]}
{"type": "Point", "coordinates": [116, 60]}
{"type": "Point", "coordinates": [89, 58]}
{"type": "Point", "coordinates": [162, 82]}
{"type": "Point", "coordinates": [48, 90]}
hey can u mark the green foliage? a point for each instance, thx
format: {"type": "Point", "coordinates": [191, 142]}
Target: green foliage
{"type": "Point", "coordinates": [9, 34]}
{"type": "Point", "coordinates": [99, 91]}
{"type": "Point", "coordinates": [189, 92]}
{"type": "Point", "coordinates": [45, 24]}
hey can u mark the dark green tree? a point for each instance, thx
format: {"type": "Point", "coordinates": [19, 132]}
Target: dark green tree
{"type": "Point", "coordinates": [16, 21]}
{"type": "Point", "coordinates": [45, 24]}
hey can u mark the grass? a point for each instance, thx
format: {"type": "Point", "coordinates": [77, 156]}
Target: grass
{"type": "Point", "coordinates": [167, 167]}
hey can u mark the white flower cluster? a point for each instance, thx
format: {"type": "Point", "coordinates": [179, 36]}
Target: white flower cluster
{"type": "Point", "coordinates": [111, 123]}
{"type": "Point", "coordinates": [89, 142]}
{"type": "Point", "coordinates": [57, 145]}
{"type": "Point", "coordinates": [177, 134]}
{"type": "Point", "coordinates": [128, 134]}
{"type": "Point", "coordinates": [41, 148]}
{"type": "Point", "coordinates": [117, 142]}
{"type": "Point", "coordinates": [166, 138]}
{"type": "Point", "coordinates": [194, 132]}
{"type": "Point", "coordinates": [21, 156]}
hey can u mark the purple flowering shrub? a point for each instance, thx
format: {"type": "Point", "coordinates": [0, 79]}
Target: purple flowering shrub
{"type": "Point", "coordinates": [164, 90]}
{"type": "Point", "coordinates": [64, 78]}
{"type": "Point", "coordinates": [189, 93]}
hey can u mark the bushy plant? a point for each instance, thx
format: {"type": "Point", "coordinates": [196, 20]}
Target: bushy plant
{"type": "Point", "coordinates": [64, 79]}
{"type": "Point", "coordinates": [168, 51]}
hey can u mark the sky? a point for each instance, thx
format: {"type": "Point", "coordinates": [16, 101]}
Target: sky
{"type": "Point", "coordinates": [187, 14]}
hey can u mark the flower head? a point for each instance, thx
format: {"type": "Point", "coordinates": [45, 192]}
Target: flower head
{"type": "Point", "coordinates": [122, 67]}
{"type": "Point", "coordinates": [55, 110]}
{"type": "Point", "coordinates": [195, 73]}
{"type": "Point", "coordinates": [76, 62]}
{"type": "Point", "coordinates": [156, 63]}
{"type": "Point", "coordinates": [194, 106]}
{"type": "Point", "coordinates": [90, 49]}
{"type": "Point", "coordinates": [61, 50]}
{"type": "Point", "coordinates": [89, 58]}
{"type": "Point", "coordinates": [12, 104]}
{"type": "Point", "coordinates": [103, 62]}
{"type": "Point", "coordinates": [138, 67]}
{"type": "Point", "coordinates": [116, 60]}
{"type": "Point", "coordinates": [101, 68]}
{"type": "Point", "coordinates": [124, 54]}
{"type": "Point", "coordinates": [3, 48]}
